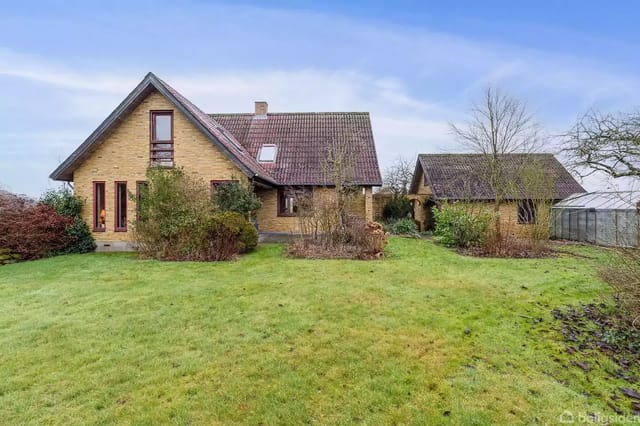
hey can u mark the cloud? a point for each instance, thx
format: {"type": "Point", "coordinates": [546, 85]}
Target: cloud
{"type": "Point", "coordinates": [28, 67]}
{"type": "Point", "coordinates": [413, 81]}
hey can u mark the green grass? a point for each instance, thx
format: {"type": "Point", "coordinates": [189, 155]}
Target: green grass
{"type": "Point", "coordinates": [104, 338]}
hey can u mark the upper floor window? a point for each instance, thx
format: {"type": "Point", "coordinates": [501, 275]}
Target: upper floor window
{"type": "Point", "coordinates": [267, 153]}
{"type": "Point", "coordinates": [162, 138]}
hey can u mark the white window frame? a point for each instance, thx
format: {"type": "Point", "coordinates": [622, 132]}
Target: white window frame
{"type": "Point", "coordinates": [275, 153]}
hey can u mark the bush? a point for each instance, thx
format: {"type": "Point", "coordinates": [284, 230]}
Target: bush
{"type": "Point", "coordinates": [178, 221]}
{"type": "Point", "coordinates": [236, 197]}
{"type": "Point", "coordinates": [456, 226]}
{"type": "Point", "coordinates": [402, 227]}
{"type": "Point", "coordinates": [29, 230]}
{"type": "Point", "coordinates": [7, 256]}
{"type": "Point", "coordinates": [228, 234]}
{"type": "Point", "coordinates": [397, 208]}
{"type": "Point", "coordinates": [174, 214]}
{"type": "Point", "coordinates": [63, 201]}
{"type": "Point", "coordinates": [247, 233]}
{"type": "Point", "coordinates": [66, 204]}
{"type": "Point", "coordinates": [80, 233]}
{"type": "Point", "coordinates": [357, 240]}
{"type": "Point", "coordinates": [623, 274]}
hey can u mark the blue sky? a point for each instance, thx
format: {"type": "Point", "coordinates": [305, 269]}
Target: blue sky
{"type": "Point", "coordinates": [416, 66]}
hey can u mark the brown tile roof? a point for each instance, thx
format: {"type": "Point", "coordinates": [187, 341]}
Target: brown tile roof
{"type": "Point", "coordinates": [225, 138]}
{"type": "Point", "coordinates": [465, 176]}
{"type": "Point", "coordinates": [302, 139]}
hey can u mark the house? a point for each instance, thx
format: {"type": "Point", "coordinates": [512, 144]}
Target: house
{"type": "Point", "coordinates": [465, 178]}
{"type": "Point", "coordinates": [155, 125]}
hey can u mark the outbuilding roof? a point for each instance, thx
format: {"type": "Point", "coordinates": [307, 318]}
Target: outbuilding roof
{"type": "Point", "coordinates": [466, 176]}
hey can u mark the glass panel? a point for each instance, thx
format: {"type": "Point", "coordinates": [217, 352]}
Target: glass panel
{"type": "Point", "coordinates": [99, 213]}
{"type": "Point", "coordinates": [267, 153]}
{"type": "Point", "coordinates": [121, 205]}
{"type": "Point", "coordinates": [162, 127]}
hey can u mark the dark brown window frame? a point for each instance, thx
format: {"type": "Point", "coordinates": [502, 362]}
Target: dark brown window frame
{"type": "Point", "coordinates": [281, 203]}
{"type": "Point", "coordinates": [152, 138]}
{"type": "Point", "coordinates": [116, 206]}
{"type": "Point", "coordinates": [529, 214]}
{"type": "Point", "coordinates": [96, 212]}
{"type": "Point", "coordinates": [138, 195]}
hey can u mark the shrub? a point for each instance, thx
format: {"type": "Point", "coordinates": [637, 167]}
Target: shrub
{"type": "Point", "coordinates": [174, 214]}
{"type": "Point", "coordinates": [623, 274]}
{"type": "Point", "coordinates": [80, 233]}
{"type": "Point", "coordinates": [236, 197]}
{"type": "Point", "coordinates": [456, 226]}
{"type": "Point", "coordinates": [357, 240]}
{"type": "Point", "coordinates": [7, 256]}
{"type": "Point", "coordinates": [29, 230]}
{"type": "Point", "coordinates": [66, 204]}
{"type": "Point", "coordinates": [398, 207]}
{"type": "Point", "coordinates": [402, 227]}
{"type": "Point", "coordinates": [63, 201]}
{"type": "Point", "coordinates": [178, 221]}
{"type": "Point", "coordinates": [247, 233]}
{"type": "Point", "coordinates": [228, 233]}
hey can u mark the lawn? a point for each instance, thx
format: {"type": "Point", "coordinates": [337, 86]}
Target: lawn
{"type": "Point", "coordinates": [425, 336]}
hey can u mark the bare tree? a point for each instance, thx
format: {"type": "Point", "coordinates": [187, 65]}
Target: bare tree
{"type": "Point", "coordinates": [610, 143]}
{"type": "Point", "coordinates": [498, 126]}
{"type": "Point", "coordinates": [338, 169]}
{"type": "Point", "coordinates": [605, 142]}
{"type": "Point", "coordinates": [398, 176]}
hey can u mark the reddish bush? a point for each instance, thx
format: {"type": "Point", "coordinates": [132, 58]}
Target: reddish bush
{"type": "Point", "coordinates": [31, 230]}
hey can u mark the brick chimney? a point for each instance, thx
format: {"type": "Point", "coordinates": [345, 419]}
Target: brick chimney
{"type": "Point", "coordinates": [261, 108]}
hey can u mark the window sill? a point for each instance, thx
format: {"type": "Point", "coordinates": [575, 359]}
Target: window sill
{"type": "Point", "coordinates": [162, 166]}
{"type": "Point", "coordinates": [99, 230]}
{"type": "Point", "coordinates": [120, 230]}
{"type": "Point", "coordinates": [287, 215]}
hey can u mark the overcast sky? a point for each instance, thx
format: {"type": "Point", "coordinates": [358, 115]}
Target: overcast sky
{"type": "Point", "coordinates": [64, 66]}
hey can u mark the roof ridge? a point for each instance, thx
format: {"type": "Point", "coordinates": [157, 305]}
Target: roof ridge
{"type": "Point", "coordinates": [478, 153]}
{"type": "Point", "coordinates": [292, 113]}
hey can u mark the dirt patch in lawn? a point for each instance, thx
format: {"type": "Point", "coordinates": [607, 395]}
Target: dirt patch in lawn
{"type": "Point", "coordinates": [590, 329]}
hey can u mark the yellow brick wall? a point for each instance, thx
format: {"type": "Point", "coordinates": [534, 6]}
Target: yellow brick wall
{"type": "Point", "coordinates": [269, 221]}
{"type": "Point", "coordinates": [508, 217]}
{"type": "Point", "coordinates": [124, 156]}
{"type": "Point", "coordinates": [421, 214]}
{"type": "Point", "coordinates": [379, 201]}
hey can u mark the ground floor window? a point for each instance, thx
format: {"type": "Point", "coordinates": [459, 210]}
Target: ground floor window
{"type": "Point", "coordinates": [121, 207]}
{"type": "Point", "coordinates": [99, 207]}
{"type": "Point", "coordinates": [289, 200]}
{"type": "Point", "coordinates": [526, 212]}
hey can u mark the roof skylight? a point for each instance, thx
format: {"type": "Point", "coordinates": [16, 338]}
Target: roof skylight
{"type": "Point", "coordinates": [267, 153]}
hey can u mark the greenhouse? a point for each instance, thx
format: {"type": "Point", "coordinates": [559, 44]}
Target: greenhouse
{"type": "Point", "coordinates": [603, 218]}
